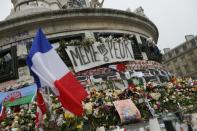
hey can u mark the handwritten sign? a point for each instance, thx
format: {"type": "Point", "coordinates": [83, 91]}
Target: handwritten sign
{"type": "Point", "coordinates": [95, 71]}
{"type": "Point", "coordinates": [127, 110]}
{"type": "Point", "coordinates": [86, 57]}
{"type": "Point", "coordinates": [143, 64]}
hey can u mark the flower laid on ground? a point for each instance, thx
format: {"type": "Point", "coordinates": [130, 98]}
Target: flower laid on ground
{"type": "Point", "coordinates": [99, 109]}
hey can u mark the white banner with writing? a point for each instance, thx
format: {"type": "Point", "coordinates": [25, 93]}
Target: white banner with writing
{"type": "Point", "coordinates": [89, 56]}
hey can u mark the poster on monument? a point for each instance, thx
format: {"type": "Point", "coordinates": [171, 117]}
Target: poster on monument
{"type": "Point", "coordinates": [21, 50]}
{"type": "Point", "coordinates": [86, 57]}
{"type": "Point", "coordinates": [127, 111]}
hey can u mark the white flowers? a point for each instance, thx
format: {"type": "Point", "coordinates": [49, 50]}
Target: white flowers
{"type": "Point", "coordinates": [167, 100]}
{"type": "Point", "coordinates": [60, 120]}
{"type": "Point", "coordinates": [170, 85]}
{"type": "Point", "coordinates": [88, 108]}
{"type": "Point", "coordinates": [155, 96]}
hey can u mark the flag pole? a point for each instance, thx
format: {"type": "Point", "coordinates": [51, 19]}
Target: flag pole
{"type": "Point", "coordinates": [49, 99]}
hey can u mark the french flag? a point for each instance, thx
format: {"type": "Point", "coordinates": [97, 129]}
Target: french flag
{"type": "Point", "coordinates": [41, 109]}
{"type": "Point", "coordinates": [49, 70]}
{"type": "Point", "coordinates": [3, 113]}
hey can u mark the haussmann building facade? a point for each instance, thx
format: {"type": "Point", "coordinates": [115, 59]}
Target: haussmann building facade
{"type": "Point", "coordinates": [182, 60]}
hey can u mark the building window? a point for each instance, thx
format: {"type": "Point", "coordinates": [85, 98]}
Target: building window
{"type": "Point", "coordinates": [170, 55]}
{"type": "Point", "coordinates": [174, 61]}
{"type": "Point", "coordinates": [177, 51]}
{"type": "Point", "coordinates": [195, 64]}
{"type": "Point", "coordinates": [187, 68]}
{"type": "Point", "coordinates": [193, 43]}
{"type": "Point", "coordinates": [178, 71]}
{"type": "Point", "coordinates": [183, 57]}
{"type": "Point", "coordinates": [167, 65]}
{"type": "Point", "coordinates": [184, 47]}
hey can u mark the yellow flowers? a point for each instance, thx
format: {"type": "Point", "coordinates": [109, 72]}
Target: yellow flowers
{"type": "Point", "coordinates": [68, 115]}
{"type": "Point", "coordinates": [79, 126]}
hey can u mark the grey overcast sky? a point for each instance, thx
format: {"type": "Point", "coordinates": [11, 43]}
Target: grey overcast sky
{"type": "Point", "coordinates": [173, 18]}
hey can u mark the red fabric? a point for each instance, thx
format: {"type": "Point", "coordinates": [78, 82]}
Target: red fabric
{"type": "Point", "coordinates": [132, 87]}
{"type": "Point", "coordinates": [12, 99]}
{"type": "Point", "coordinates": [41, 109]}
{"type": "Point", "coordinates": [40, 102]}
{"type": "Point", "coordinates": [121, 67]}
{"type": "Point", "coordinates": [37, 120]}
{"type": "Point", "coordinates": [3, 114]}
{"type": "Point", "coordinates": [3, 117]}
{"type": "Point", "coordinates": [72, 93]}
{"type": "Point", "coordinates": [16, 109]}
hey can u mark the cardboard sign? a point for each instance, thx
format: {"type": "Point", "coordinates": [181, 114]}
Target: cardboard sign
{"type": "Point", "coordinates": [97, 54]}
{"type": "Point", "coordinates": [127, 110]}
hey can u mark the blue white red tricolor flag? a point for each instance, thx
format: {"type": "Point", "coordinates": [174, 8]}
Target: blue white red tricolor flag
{"type": "Point", "coordinates": [49, 70]}
{"type": "Point", "coordinates": [3, 113]}
{"type": "Point", "coordinates": [41, 109]}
